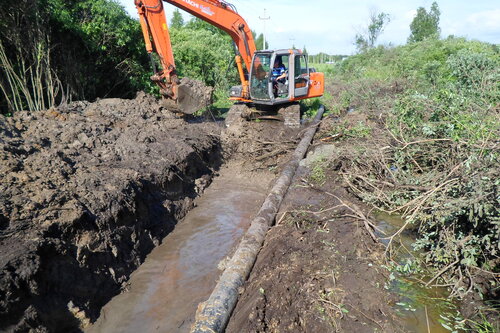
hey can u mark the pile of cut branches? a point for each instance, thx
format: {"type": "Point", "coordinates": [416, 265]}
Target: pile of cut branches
{"type": "Point", "coordinates": [445, 190]}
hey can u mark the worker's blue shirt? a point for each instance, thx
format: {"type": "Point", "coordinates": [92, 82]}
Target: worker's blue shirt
{"type": "Point", "coordinates": [277, 71]}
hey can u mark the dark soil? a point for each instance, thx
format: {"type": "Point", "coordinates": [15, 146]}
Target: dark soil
{"type": "Point", "coordinates": [260, 144]}
{"type": "Point", "coordinates": [87, 191]}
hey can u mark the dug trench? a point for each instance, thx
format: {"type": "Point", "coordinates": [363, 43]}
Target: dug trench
{"type": "Point", "coordinates": [88, 190]}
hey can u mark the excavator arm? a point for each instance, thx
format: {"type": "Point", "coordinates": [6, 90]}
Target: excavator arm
{"type": "Point", "coordinates": [157, 39]}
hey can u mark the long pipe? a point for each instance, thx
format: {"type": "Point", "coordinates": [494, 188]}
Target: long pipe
{"type": "Point", "coordinates": [213, 315]}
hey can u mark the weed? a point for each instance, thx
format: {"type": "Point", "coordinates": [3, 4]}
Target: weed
{"type": "Point", "coordinates": [360, 130]}
{"type": "Point", "coordinates": [318, 172]}
{"type": "Point", "coordinates": [439, 102]}
{"type": "Point", "coordinates": [483, 325]}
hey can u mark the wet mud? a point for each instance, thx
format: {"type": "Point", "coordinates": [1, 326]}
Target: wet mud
{"type": "Point", "coordinates": [88, 190]}
{"type": "Point", "coordinates": [316, 272]}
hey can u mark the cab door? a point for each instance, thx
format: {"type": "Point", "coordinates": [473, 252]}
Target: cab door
{"type": "Point", "coordinates": [300, 76]}
{"type": "Point", "coordinates": [259, 76]}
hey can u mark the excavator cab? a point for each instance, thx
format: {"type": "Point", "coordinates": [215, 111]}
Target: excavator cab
{"type": "Point", "coordinates": [300, 81]}
{"type": "Point", "coordinates": [277, 80]}
{"type": "Point", "coordinates": [264, 86]}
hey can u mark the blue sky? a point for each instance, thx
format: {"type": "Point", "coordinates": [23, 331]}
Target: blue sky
{"type": "Point", "coordinates": [330, 26]}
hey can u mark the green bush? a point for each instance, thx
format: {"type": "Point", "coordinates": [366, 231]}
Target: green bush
{"type": "Point", "coordinates": [89, 48]}
{"type": "Point", "coordinates": [203, 55]}
{"type": "Point", "coordinates": [443, 116]}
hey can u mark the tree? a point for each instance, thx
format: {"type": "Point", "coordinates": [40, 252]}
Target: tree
{"type": "Point", "coordinates": [259, 40]}
{"type": "Point", "coordinates": [425, 24]}
{"type": "Point", "coordinates": [198, 24]}
{"type": "Point", "coordinates": [67, 49]}
{"type": "Point", "coordinates": [177, 20]}
{"type": "Point", "coordinates": [376, 25]}
{"type": "Point", "coordinates": [203, 55]}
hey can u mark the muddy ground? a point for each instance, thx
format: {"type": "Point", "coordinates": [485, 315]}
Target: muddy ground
{"type": "Point", "coordinates": [319, 270]}
{"type": "Point", "coordinates": [87, 191]}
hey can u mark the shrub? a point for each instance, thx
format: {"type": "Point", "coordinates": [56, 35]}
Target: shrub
{"type": "Point", "coordinates": [443, 158]}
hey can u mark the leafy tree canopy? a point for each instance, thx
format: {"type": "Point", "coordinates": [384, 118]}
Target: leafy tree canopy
{"type": "Point", "coordinates": [177, 20]}
{"type": "Point", "coordinates": [259, 41]}
{"type": "Point", "coordinates": [425, 24]}
{"type": "Point", "coordinates": [377, 23]}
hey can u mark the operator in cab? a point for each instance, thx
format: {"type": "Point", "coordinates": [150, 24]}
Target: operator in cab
{"type": "Point", "coordinates": [279, 74]}
{"type": "Point", "coordinates": [279, 70]}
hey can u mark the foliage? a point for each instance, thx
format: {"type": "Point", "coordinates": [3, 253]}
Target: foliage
{"type": "Point", "coordinates": [483, 325]}
{"type": "Point", "coordinates": [259, 41]}
{"type": "Point", "coordinates": [177, 21]}
{"type": "Point", "coordinates": [425, 24]}
{"type": "Point", "coordinates": [318, 170]}
{"type": "Point", "coordinates": [57, 50]}
{"type": "Point", "coordinates": [204, 55]}
{"type": "Point", "coordinates": [322, 58]}
{"type": "Point", "coordinates": [69, 50]}
{"type": "Point", "coordinates": [377, 23]}
{"type": "Point", "coordinates": [29, 86]}
{"type": "Point", "coordinates": [439, 101]}
{"type": "Point", "coordinates": [198, 24]}
{"type": "Point", "coordinates": [359, 130]}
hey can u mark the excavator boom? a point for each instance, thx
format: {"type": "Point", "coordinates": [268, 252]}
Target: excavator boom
{"type": "Point", "coordinates": [157, 39]}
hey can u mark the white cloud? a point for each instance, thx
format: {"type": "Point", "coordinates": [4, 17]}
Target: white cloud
{"type": "Point", "coordinates": [489, 19]}
{"type": "Point", "coordinates": [483, 25]}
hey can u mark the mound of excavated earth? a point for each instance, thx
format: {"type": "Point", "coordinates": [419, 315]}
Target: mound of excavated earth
{"type": "Point", "coordinates": [86, 191]}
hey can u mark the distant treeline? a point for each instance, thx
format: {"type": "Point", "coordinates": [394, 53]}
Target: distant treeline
{"type": "Point", "coordinates": [323, 58]}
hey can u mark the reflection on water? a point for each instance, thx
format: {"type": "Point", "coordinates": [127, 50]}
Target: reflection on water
{"type": "Point", "coordinates": [422, 309]}
{"type": "Point", "coordinates": [182, 272]}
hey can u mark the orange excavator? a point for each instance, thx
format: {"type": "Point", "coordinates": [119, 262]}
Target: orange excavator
{"type": "Point", "coordinates": [259, 89]}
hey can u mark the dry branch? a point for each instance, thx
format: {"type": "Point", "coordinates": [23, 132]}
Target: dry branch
{"type": "Point", "coordinates": [353, 208]}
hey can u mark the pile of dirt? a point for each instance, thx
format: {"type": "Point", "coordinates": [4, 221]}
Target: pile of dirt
{"type": "Point", "coordinates": [194, 95]}
{"type": "Point", "coordinates": [259, 144]}
{"type": "Point", "coordinates": [87, 191]}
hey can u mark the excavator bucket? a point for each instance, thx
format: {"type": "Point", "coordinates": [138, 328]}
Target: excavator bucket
{"type": "Point", "coordinates": [193, 95]}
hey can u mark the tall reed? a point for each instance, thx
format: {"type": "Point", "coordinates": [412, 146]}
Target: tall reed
{"type": "Point", "coordinates": [28, 81]}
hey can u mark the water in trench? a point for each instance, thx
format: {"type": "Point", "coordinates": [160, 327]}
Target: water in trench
{"type": "Point", "coordinates": [422, 309]}
{"type": "Point", "coordinates": [182, 272]}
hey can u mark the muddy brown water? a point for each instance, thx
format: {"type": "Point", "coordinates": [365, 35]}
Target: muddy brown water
{"type": "Point", "coordinates": [182, 272]}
